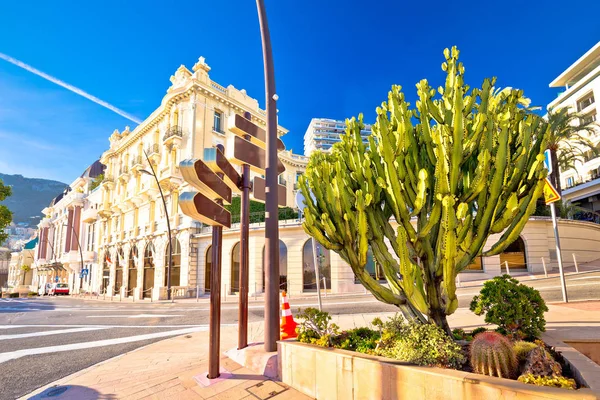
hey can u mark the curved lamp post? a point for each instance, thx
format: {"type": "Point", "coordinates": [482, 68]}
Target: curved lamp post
{"type": "Point", "coordinates": [153, 173]}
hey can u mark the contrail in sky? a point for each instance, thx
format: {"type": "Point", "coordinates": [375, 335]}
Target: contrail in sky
{"type": "Point", "coordinates": [72, 88]}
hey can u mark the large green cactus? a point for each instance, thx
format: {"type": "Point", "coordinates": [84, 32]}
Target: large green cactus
{"type": "Point", "coordinates": [429, 189]}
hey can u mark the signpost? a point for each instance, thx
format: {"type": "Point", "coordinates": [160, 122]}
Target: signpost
{"type": "Point", "coordinates": [551, 196]}
{"type": "Point", "coordinates": [214, 178]}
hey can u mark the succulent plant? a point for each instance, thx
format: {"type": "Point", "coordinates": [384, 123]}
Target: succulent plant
{"type": "Point", "coordinates": [539, 362]}
{"type": "Point", "coordinates": [493, 354]}
{"type": "Point", "coordinates": [522, 349]}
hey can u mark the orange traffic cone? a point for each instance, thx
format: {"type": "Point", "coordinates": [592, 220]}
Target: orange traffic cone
{"type": "Point", "coordinates": [288, 325]}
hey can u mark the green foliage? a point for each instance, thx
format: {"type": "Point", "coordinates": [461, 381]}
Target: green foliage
{"type": "Point", "coordinates": [459, 334]}
{"type": "Point", "coordinates": [257, 211]}
{"type": "Point", "coordinates": [96, 182]}
{"type": "Point", "coordinates": [516, 308]}
{"type": "Point", "coordinates": [522, 348]}
{"type": "Point", "coordinates": [13, 295]}
{"type": "Point", "coordinates": [478, 330]}
{"type": "Point", "coordinates": [492, 354]}
{"type": "Point", "coordinates": [467, 164]}
{"type": "Point", "coordinates": [5, 213]}
{"type": "Point", "coordinates": [362, 340]}
{"type": "Point", "coordinates": [421, 344]}
{"type": "Point", "coordinates": [25, 268]}
{"type": "Point", "coordinates": [315, 327]}
{"type": "Point", "coordinates": [32, 294]}
{"type": "Point", "coordinates": [552, 381]}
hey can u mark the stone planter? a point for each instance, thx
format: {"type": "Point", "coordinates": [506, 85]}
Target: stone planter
{"type": "Point", "coordinates": [325, 373]}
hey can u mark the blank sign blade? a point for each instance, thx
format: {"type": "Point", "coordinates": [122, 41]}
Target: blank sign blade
{"type": "Point", "coordinates": [241, 127]}
{"type": "Point", "coordinates": [201, 208]}
{"type": "Point", "coordinates": [259, 193]}
{"type": "Point", "coordinates": [201, 177]}
{"type": "Point", "coordinates": [245, 152]}
{"type": "Point", "coordinates": [217, 162]}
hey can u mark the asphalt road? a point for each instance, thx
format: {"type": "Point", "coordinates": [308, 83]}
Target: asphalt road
{"type": "Point", "coordinates": [45, 339]}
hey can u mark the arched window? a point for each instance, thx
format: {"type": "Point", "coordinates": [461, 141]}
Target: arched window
{"type": "Point", "coordinates": [514, 255]}
{"type": "Point", "coordinates": [308, 267]}
{"type": "Point", "coordinates": [119, 262]}
{"type": "Point", "coordinates": [176, 263]}
{"type": "Point", "coordinates": [372, 267]}
{"type": "Point", "coordinates": [105, 272]}
{"type": "Point", "coordinates": [148, 270]}
{"type": "Point", "coordinates": [235, 268]}
{"type": "Point", "coordinates": [207, 269]}
{"type": "Point", "coordinates": [131, 272]}
{"type": "Point", "coordinates": [282, 266]}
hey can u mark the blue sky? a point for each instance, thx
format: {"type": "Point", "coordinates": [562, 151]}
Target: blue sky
{"type": "Point", "coordinates": [333, 59]}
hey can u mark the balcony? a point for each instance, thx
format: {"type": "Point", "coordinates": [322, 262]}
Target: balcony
{"type": "Point", "coordinates": [148, 192]}
{"type": "Point", "coordinates": [89, 215]}
{"type": "Point", "coordinates": [109, 182]}
{"type": "Point", "coordinates": [172, 137]}
{"type": "Point", "coordinates": [124, 174]}
{"type": "Point", "coordinates": [105, 210]}
{"type": "Point", "coordinates": [137, 163]}
{"type": "Point", "coordinates": [90, 256]}
{"type": "Point", "coordinates": [170, 177]}
{"type": "Point", "coordinates": [153, 152]}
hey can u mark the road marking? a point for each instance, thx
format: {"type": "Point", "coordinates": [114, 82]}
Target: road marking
{"type": "Point", "coordinates": [46, 333]}
{"type": "Point", "coordinates": [106, 326]}
{"type": "Point", "coordinates": [583, 278]}
{"type": "Point", "coordinates": [135, 316]}
{"type": "Point", "coordinates": [4, 357]}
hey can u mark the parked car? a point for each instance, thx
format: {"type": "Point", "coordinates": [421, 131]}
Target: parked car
{"type": "Point", "coordinates": [46, 289]}
{"type": "Point", "coordinates": [61, 288]}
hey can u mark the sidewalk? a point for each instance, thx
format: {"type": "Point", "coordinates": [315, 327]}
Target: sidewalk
{"type": "Point", "coordinates": [169, 369]}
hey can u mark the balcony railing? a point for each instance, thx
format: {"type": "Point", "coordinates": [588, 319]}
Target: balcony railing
{"type": "Point", "coordinates": [152, 149]}
{"type": "Point", "coordinates": [173, 131]}
{"type": "Point", "coordinates": [136, 161]}
{"type": "Point", "coordinates": [218, 87]}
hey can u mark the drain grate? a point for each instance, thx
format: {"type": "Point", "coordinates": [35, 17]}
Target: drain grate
{"type": "Point", "coordinates": [266, 390]}
{"type": "Point", "coordinates": [55, 391]}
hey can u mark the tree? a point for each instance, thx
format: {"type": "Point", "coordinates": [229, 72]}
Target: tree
{"type": "Point", "coordinates": [429, 189]}
{"type": "Point", "coordinates": [96, 182]}
{"type": "Point", "coordinates": [567, 141]}
{"type": "Point", "coordinates": [5, 213]}
{"type": "Point", "coordinates": [25, 269]}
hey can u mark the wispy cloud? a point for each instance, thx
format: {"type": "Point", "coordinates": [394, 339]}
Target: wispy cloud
{"type": "Point", "coordinates": [67, 86]}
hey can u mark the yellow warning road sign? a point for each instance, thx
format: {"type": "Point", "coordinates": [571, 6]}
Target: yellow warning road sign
{"type": "Point", "coordinates": [550, 193]}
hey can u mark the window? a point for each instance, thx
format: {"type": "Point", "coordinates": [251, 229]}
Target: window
{"type": "Point", "coordinates": [218, 119]}
{"type": "Point", "coordinates": [585, 101]}
{"type": "Point", "coordinates": [175, 263]}
{"type": "Point", "coordinates": [570, 182]}
{"type": "Point", "coordinates": [281, 180]}
{"type": "Point", "coordinates": [588, 118]}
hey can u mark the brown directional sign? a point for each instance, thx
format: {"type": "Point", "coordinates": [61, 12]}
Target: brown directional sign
{"type": "Point", "coordinates": [201, 208]}
{"type": "Point", "coordinates": [245, 152]}
{"type": "Point", "coordinates": [241, 126]}
{"type": "Point", "coordinates": [217, 162]}
{"type": "Point", "coordinates": [201, 177]}
{"type": "Point", "coordinates": [258, 191]}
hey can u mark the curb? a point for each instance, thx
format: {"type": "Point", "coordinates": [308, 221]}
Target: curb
{"type": "Point", "coordinates": [535, 279]}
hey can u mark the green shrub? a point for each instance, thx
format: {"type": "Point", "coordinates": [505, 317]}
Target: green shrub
{"type": "Point", "coordinates": [522, 348]}
{"type": "Point", "coordinates": [13, 295]}
{"type": "Point", "coordinates": [459, 334]}
{"type": "Point", "coordinates": [363, 340]}
{"type": "Point", "coordinates": [552, 381]}
{"type": "Point", "coordinates": [315, 327]}
{"type": "Point", "coordinates": [516, 308]}
{"type": "Point", "coordinates": [475, 331]}
{"type": "Point", "coordinates": [421, 344]}
{"type": "Point", "coordinates": [32, 294]}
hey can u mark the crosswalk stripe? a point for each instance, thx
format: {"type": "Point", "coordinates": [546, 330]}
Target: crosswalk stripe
{"type": "Point", "coordinates": [4, 357]}
{"type": "Point", "coordinates": [47, 333]}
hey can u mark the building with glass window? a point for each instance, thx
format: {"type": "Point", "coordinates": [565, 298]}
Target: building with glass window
{"type": "Point", "coordinates": [581, 90]}
{"type": "Point", "coordinates": [322, 133]}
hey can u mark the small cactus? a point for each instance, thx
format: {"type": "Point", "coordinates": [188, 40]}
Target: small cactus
{"type": "Point", "coordinates": [493, 354]}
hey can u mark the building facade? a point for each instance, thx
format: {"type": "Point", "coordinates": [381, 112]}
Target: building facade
{"type": "Point", "coordinates": [322, 133]}
{"type": "Point", "coordinates": [581, 91]}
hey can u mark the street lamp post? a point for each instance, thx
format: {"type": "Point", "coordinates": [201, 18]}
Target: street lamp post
{"type": "Point", "coordinates": [170, 260]}
{"type": "Point", "coordinates": [272, 334]}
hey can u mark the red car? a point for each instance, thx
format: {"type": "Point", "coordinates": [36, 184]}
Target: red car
{"type": "Point", "coordinates": [61, 288]}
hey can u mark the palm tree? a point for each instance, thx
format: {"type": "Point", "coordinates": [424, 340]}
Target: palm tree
{"type": "Point", "coordinates": [569, 142]}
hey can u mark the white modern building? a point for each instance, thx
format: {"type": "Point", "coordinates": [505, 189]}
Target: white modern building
{"type": "Point", "coordinates": [322, 133]}
{"type": "Point", "coordinates": [581, 90]}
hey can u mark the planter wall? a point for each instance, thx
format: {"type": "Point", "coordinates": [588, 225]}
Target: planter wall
{"type": "Point", "coordinates": [325, 373]}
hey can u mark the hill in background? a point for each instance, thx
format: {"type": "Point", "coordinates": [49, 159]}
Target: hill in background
{"type": "Point", "coordinates": [30, 196]}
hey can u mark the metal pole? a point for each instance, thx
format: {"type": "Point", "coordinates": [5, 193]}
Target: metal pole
{"type": "Point", "coordinates": [507, 269]}
{"type": "Point", "coordinates": [244, 252]}
{"type": "Point", "coordinates": [563, 285]}
{"type": "Point", "coordinates": [271, 205]}
{"type": "Point", "coordinates": [317, 275]}
{"type": "Point", "coordinates": [325, 285]}
{"type": "Point", "coordinates": [215, 301]}
{"type": "Point", "coordinates": [544, 265]}
{"type": "Point", "coordinates": [170, 259]}
{"type": "Point", "coordinates": [575, 261]}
